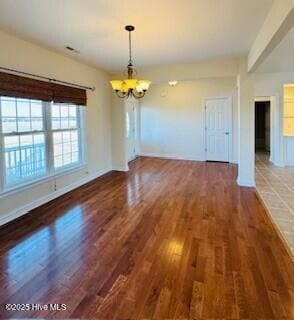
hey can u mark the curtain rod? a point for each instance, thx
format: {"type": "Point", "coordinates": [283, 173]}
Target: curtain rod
{"type": "Point", "coordinates": [48, 79]}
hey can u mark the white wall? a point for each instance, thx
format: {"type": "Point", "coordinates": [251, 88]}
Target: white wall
{"type": "Point", "coordinates": [22, 55]}
{"type": "Point", "coordinates": [246, 154]}
{"type": "Point", "coordinates": [206, 69]}
{"type": "Point", "coordinates": [172, 117]}
{"type": "Point", "coordinates": [118, 129]}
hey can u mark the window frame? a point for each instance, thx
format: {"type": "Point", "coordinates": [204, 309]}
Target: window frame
{"type": "Point", "coordinates": [287, 117]}
{"type": "Point", "coordinates": [50, 172]}
{"type": "Point", "coordinates": [81, 141]}
{"type": "Point", "coordinates": [21, 134]}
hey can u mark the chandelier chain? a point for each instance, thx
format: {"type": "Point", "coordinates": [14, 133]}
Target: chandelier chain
{"type": "Point", "coordinates": [130, 48]}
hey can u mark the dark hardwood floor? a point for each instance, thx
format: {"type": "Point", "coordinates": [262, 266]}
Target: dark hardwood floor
{"type": "Point", "coordinates": [168, 239]}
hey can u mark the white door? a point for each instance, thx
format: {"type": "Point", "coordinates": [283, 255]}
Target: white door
{"type": "Point", "coordinates": [131, 130]}
{"type": "Point", "coordinates": [217, 129]}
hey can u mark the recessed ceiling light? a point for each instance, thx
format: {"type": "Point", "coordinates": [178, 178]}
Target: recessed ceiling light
{"type": "Point", "coordinates": [172, 83]}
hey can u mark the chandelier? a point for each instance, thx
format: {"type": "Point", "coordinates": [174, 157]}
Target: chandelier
{"type": "Point", "coordinates": [130, 87]}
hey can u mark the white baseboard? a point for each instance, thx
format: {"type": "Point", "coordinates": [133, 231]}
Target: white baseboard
{"type": "Point", "coordinates": [279, 164]}
{"type": "Point", "coordinates": [289, 164]}
{"type": "Point", "coordinates": [245, 182]}
{"type": "Point", "coordinates": [177, 157]}
{"type": "Point", "coordinates": [16, 213]}
{"type": "Point", "coordinates": [170, 156]}
{"type": "Point", "coordinates": [120, 168]}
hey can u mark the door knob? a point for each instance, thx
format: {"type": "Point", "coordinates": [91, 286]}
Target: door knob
{"type": "Point", "coordinates": [227, 133]}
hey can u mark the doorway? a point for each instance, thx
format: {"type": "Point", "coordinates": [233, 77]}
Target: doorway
{"type": "Point", "coordinates": [218, 124]}
{"type": "Point", "coordinates": [131, 129]}
{"type": "Point", "coordinates": [262, 127]}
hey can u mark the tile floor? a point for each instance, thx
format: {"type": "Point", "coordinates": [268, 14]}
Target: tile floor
{"type": "Point", "coordinates": [275, 185]}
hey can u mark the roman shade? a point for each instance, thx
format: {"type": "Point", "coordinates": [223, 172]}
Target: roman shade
{"type": "Point", "coordinates": [66, 94]}
{"type": "Point", "coordinates": [23, 87]}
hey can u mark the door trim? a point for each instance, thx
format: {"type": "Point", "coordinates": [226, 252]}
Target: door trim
{"type": "Point", "coordinates": [229, 99]}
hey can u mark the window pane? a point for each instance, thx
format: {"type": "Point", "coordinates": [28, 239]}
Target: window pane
{"type": "Point", "coordinates": [8, 107]}
{"type": "Point", "coordinates": [74, 135]}
{"type": "Point", "coordinates": [55, 116]}
{"type": "Point", "coordinates": [25, 156]}
{"type": "Point", "coordinates": [74, 146]}
{"type": "Point", "coordinates": [65, 136]}
{"type": "Point", "coordinates": [39, 153]}
{"type": "Point", "coordinates": [72, 117]}
{"type": "Point", "coordinates": [66, 159]}
{"type": "Point", "coordinates": [37, 116]}
{"type": "Point", "coordinates": [58, 150]}
{"type": "Point", "coordinates": [127, 125]}
{"type": "Point", "coordinates": [9, 125]}
{"type": "Point", "coordinates": [58, 162]}
{"type": "Point", "coordinates": [23, 115]}
{"type": "Point", "coordinates": [23, 108]}
{"type": "Point", "coordinates": [8, 113]}
{"type": "Point", "coordinates": [64, 116]}
{"type": "Point", "coordinates": [57, 137]}
{"type": "Point", "coordinates": [75, 156]}
{"type": "Point", "coordinates": [66, 148]}
{"type": "Point", "coordinates": [12, 158]}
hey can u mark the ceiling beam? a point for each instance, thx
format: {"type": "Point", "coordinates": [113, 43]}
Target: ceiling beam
{"type": "Point", "coordinates": [276, 25]}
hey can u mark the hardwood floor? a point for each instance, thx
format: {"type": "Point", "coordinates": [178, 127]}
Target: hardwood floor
{"type": "Point", "coordinates": [169, 239]}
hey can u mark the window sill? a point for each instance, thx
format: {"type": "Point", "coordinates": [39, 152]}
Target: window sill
{"type": "Point", "coordinates": [33, 183]}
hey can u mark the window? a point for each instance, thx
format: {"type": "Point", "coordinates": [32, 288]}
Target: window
{"type": "Point", "coordinates": [65, 128]}
{"type": "Point", "coordinates": [127, 124]}
{"type": "Point", "coordinates": [39, 139]}
{"type": "Point", "coordinates": [289, 110]}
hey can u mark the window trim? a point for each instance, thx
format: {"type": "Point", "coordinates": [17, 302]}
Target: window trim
{"type": "Point", "coordinates": [51, 173]}
{"type": "Point", "coordinates": [41, 179]}
{"type": "Point", "coordinates": [2, 157]}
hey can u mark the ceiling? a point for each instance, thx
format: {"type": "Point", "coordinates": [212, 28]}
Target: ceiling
{"type": "Point", "coordinates": [281, 59]}
{"type": "Point", "coordinates": [167, 31]}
